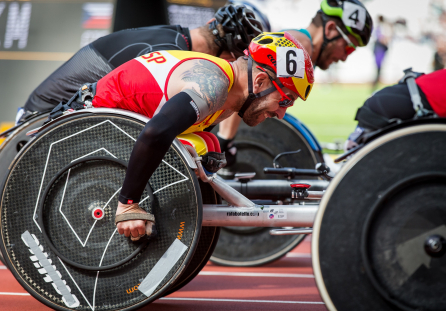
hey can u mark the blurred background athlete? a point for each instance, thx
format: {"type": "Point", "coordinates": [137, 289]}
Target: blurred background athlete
{"type": "Point", "coordinates": [338, 28]}
{"type": "Point", "coordinates": [227, 35]}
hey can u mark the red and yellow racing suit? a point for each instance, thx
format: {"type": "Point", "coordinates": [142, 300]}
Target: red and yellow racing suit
{"type": "Point", "coordinates": [140, 85]}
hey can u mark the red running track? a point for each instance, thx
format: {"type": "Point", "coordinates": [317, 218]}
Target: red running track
{"type": "Point", "coordinates": [287, 284]}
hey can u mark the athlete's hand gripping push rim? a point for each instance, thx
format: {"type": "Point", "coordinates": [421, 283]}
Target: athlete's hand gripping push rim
{"type": "Point", "coordinates": [143, 223]}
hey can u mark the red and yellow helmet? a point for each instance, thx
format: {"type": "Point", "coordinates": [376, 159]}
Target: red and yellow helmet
{"type": "Point", "coordinates": [291, 62]}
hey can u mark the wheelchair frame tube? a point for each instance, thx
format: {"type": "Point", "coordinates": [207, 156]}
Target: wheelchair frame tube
{"type": "Point", "coordinates": [259, 215]}
{"type": "Point", "coordinates": [243, 212]}
{"type": "Point", "coordinates": [274, 189]}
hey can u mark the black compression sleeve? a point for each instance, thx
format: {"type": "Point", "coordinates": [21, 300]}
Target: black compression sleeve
{"type": "Point", "coordinates": [176, 116]}
{"type": "Point", "coordinates": [395, 102]}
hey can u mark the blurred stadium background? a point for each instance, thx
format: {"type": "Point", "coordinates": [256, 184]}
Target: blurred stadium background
{"type": "Point", "coordinates": [37, 36]}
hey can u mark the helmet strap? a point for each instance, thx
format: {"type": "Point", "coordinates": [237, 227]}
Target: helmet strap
{"type": "Point", "coordinates": [251, 95]}
{"type": "Point", "coordinates": [219, 41]}
{"type": "Point", "coordinates": [326, 41]}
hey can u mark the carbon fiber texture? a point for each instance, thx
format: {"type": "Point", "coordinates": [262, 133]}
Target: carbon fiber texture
{"type": "Point", "coordinates": [68, 212]}
{"type": "Point", "coordinates": [206, 244]}
{"type": "Point", "coordinates": [91, 185]}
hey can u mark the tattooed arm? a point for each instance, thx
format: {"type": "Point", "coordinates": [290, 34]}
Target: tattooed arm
{"type": "Point", "coordinates": [207, 85]}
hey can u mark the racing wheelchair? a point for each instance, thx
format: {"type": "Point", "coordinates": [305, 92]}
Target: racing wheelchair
{"type": "Point", "coordinates": [257, 148]}
{"type": "Point", "coordinates": [377, 232]}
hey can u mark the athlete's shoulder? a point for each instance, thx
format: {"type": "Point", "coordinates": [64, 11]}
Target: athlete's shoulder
{"type": "Point", "coordinates": [222, 64]}
{"type": "Point", "coordinates": [208, 80]}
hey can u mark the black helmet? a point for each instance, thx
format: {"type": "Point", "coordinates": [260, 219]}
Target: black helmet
{"type": "Point", "coordinates": [240, 26]}
{"type": "Point", "coordinates": [258, 14]}
{"type": "Point", "coordinates": [354, 16]}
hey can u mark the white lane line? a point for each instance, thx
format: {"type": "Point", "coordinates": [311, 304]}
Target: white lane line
{"type": "Point", "coordinates": [274, 275]}
{"type": "Point", "coordinates": [245, 300]}
{"type": "Point", "coordinates": [3, 268]}
{"type": "Point", "coordinates": [298, 255]}
{"type": "Point", "coordinates": [207, 299]}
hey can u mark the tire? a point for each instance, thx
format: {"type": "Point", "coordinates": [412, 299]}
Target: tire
{"type": "Point", "coordinates": [12, 145]}
{"type": "Point", "coordinates": [15, 141]}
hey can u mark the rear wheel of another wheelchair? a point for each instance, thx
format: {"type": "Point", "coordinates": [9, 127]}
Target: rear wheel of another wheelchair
{"type": "Point", "coordinates": [256, 148]}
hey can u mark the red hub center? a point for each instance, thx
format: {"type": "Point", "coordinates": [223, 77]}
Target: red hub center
{"type": "Point", "coordinates": [98, 213]}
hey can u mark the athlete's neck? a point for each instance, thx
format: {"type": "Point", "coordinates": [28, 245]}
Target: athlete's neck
{"type": "Point", "coordinates": [318, 39]}
{"type": "Point", "coordinates": [199, 43]}
{"type": "Point", "coordinates": [239, 91]}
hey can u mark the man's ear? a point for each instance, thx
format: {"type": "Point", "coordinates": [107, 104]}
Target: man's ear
{"type": "Point", "coordinates": [259, 80]}
{"type": "Point", "coordinates": [330, 30]}
{"type": "Point", "coordinates": [211, 20]}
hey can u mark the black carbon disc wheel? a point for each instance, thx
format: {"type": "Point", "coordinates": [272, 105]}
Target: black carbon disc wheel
{"type": "Point", "coordinates": [13, 143]}
{"type": "Point", "coordinates": [16, 141]}
{"type": "Point", "coordinates": [380, 229]}
{"type": "Point", "coordinates": [256, 149]}
{"type": "Point", "coordinates": [206, 244]}
{"type": "Point", "coordinates": [74, 231]}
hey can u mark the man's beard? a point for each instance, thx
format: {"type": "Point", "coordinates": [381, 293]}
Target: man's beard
{"type": "Point", "coordinates": [325, 56]}
{"type": "Point", "coordinates": [252, 116]}
{"type": "Point", "coordinates": [322, 64]}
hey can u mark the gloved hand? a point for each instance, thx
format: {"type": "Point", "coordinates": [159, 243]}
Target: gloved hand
{"type": "Point", "coordinates": [349, 144]}
{"type": "Point", "coordinates": [228, 148]}
{"type": "Point", "coordinates": [213, 161]}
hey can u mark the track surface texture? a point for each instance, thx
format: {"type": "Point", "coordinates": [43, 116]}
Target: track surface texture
{"type": "Point", "coordinates": [287, 284]}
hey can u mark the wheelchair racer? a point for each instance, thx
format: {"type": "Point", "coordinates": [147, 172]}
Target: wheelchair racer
{"type": "Point", "coordinates": [394, 103]}
{"type": "Point", "coordinates": [338, 28]}
{"type": "Point", "coordinates": [185, 92]}
{"type": "Point", "coordinates": [226, 36]}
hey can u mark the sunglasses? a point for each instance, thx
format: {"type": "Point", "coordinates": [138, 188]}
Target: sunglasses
{"type": "Point", "coordinates": [350, 48]}
{"type": "Point", "coordinates": [285, 101]}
